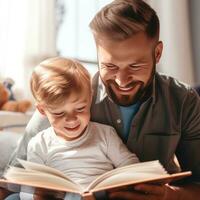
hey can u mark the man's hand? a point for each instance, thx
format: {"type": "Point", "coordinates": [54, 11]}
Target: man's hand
{"type": "Point", "coordinates": [37, 197]}
{"type": "Point", "coordinates": [4, 193]}
{"type": "Point", "coordinates": [147, 192]}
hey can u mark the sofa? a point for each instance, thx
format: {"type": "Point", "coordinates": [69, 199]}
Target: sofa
{"type": "Point", "coordinates": [12, 127]}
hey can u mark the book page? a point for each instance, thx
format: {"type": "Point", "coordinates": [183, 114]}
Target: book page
{"type": "Point", "coordinates": [125, 177]}
{"type": "Point", "coordinates": [129, 172]}
{"type": "Point", "coordinates": [120, 180]}
{"type": "Point", "coordinates": [41, 176]}
{"type": "Point", "coordinates": [42, 168]}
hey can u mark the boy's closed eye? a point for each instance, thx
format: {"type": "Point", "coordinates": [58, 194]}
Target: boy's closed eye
{"type": "Point", "coordinates": [58, 113]}
{"type": "Point", "coordinates": [81, 109]}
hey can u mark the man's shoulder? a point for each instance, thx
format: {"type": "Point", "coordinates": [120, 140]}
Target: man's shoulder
{"type": "Point", "coordinates": [95, 80]}
{"type": "Point", "coordinates": [42, 136]}
{"type": "Point", "coordinates": [169, 81]}
{"type": "Point", "coordinates": [36, 124]}
{"type": "Point", "coordinates": [170, 85]}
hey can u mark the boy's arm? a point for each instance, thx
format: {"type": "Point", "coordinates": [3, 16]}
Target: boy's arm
{"type": "Point", "coordinates": [35, 153]}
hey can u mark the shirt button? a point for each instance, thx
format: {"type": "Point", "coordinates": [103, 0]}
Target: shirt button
{"type": "Point", "coordinates": [119, 121]}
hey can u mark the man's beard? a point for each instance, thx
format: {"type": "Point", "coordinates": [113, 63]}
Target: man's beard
{"type": "Point", "coordinates": [142, 92]}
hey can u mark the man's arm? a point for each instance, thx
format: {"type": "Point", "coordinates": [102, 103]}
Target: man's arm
{"type": "Point", "coordinates": [4, 193]}
{"type": "Point", "coordinates": [153, 192]}
{"type": "Point", "coordinates": [36, 124]}
{"type": "Point", "coordinates": [189, 191]}
{"type": "Point", "coordinates": [187, 151]}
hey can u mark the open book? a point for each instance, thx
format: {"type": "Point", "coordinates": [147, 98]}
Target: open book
{"type": "Point", "coordinates": [44, 177]}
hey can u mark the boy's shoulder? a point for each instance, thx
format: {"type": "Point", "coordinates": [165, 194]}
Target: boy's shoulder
{"type": "Point", "coordinates": [102, 130]}
{"type": "Point", "coordinates": [98, 125]}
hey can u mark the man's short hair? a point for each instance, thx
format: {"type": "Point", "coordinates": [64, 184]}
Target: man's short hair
{"type": "Point", "coordinates": [122, 19]}
{"type": "Point", "coordinates": [55, 79]}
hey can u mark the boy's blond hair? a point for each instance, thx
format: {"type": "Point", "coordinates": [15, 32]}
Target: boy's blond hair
{"type": "Point", "coordinates": [54, 79]}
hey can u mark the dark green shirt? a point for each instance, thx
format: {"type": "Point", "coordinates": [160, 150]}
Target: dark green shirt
{"type": "Point", "coordinates": [166, 124]}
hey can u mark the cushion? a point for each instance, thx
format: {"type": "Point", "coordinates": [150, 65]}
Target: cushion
{"type": "Point", "coordinates": [14, 121]}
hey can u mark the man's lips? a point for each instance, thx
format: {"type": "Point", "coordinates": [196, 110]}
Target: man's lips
{"type": "Point", "coordinates": [123, 90]}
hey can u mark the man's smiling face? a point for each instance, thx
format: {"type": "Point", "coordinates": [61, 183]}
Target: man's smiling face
{"type": "Point", "coordinates": [127, 67]}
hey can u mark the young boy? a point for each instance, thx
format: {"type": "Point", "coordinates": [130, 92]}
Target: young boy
{"type": "Point", "coordinates": [73, 144]}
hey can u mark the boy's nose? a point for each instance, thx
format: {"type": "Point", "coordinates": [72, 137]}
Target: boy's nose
{"type": "Point", "coordinates": [70, 117]}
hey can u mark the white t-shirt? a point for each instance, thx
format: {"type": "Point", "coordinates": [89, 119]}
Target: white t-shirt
{"type": "Point", "coordinates": [97, 151]}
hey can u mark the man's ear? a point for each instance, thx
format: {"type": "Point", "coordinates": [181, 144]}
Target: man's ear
{"type": "Point", "coordinates": [158, 51]}
{"type": "Point", "coordinates": [40, 109]}
{"type": "Point", "coordinates": [92, 94]}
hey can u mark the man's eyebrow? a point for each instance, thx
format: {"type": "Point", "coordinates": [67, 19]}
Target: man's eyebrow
{"type": "Point", "coordinates": [107, 63]}
{"type": "Point", "coordinates": [138, 63]}
{"type": "Point", "coordinates": [142, 60]}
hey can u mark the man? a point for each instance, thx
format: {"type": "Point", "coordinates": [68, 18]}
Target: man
{"type": "Point", "coordinates": [156, 116]}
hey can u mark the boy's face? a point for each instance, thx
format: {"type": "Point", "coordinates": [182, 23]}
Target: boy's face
{"type": "Point", "coordinates": [127, 67]}
{"type": "Point", "coordinates": [70, 119]}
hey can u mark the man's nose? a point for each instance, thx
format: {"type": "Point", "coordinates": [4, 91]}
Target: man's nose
{"type": "Point", "coordinates": [122, 78]}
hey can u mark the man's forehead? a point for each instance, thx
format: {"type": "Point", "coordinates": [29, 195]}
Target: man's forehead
{"type": "Point", "coordinates": [130, 55]}
{"type": "Point", "coordinates": [138, 38]}
{"type": "Point", "coordinates": [139, 46]}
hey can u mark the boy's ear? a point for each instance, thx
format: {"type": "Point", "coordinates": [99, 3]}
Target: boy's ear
{"type": "Point", "coordinates": [40, 109]}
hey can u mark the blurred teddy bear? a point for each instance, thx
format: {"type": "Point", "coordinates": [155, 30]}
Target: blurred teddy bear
{"type": "Point", "coordinates": [7, 100]}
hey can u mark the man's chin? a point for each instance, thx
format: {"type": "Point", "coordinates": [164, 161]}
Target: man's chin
{"type": "Point", "coordinates": [124, 100]}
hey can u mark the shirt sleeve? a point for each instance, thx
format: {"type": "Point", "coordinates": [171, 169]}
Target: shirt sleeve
{"type": "Point", "coordinates": [117, 151]}
{"type": "Point", "coordinates": [188, 148]}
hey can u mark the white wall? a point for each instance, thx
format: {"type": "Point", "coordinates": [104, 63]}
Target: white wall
{"type": "Point", "coordinates": [177, 58]}
{"type": "Point", "coordinates": [74, 36]}
{"type": "Point", "coordinates": [194, 6]}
